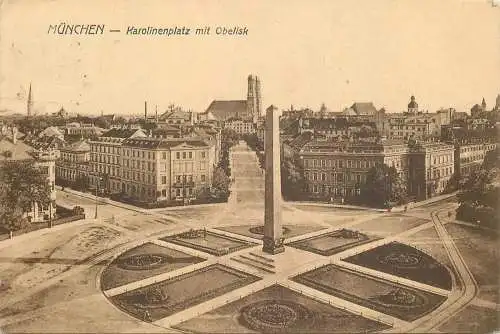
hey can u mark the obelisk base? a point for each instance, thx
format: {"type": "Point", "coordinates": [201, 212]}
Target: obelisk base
{"type": "Point", "coordinates": [273, 246]}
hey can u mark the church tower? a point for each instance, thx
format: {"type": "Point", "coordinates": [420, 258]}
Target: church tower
{"type": "Point", "coordinates": [258, 100]}
{"type": "Point", "coordinates": [251, 97]}
{"type": "Point", "coordinates": [483, 104]}
{"type": "Point", "coordinates": [30, 103]}
{"type": "Point", "coordinates": [412, 106]}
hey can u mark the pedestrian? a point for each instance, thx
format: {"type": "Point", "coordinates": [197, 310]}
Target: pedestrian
{"type": "Point", "coordinates": [147, 316]}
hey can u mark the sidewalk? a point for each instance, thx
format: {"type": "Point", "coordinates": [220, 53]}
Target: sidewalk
{"type": "Point", "coordinates": [400, 208]}
{"type": "Point", "coordinates": [133, 207]}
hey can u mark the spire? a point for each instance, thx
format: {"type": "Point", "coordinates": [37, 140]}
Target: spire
{"type": "Point", "coordinates": [30, 103]}
{"type": "Point", "coordinates": [483, 104]}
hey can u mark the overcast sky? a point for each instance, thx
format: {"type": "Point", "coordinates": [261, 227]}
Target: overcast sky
{"type": "Point", "coordinates": [445, 52]}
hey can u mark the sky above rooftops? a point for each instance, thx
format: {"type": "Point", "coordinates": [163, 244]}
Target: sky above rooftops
{"type": "Point", "coordinates": [305, 53]}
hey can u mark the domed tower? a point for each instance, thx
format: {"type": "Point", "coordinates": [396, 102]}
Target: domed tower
{"type": "Point", "coordinates": [412, 106]}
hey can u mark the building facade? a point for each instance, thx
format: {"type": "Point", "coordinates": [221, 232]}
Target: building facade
{"type": "Point", "coordinates": [73, 166]}
{"type": "Point", "coordinates": [240, 126]}
{"type": "Point", "coordinates": [470, 157]}
{"type": "Point", "coordinates": [432, 166]}
{"type": "Point", "coordinates": [164, 169]}
{"type": "Point", "coordinates": [338, 169]}
{"type": "Point", "coordinates": [105, 159]}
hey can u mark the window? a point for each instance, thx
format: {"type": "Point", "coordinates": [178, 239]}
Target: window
{"type": "Point", "coordinates": [190, 154]}
{"type": "Point", "coordinates": [340, 177]}
{"type": "Point", "coordinates": [183, 155]}
{"type": "Point", "coordinates": [203, 154]}
{"type": "Point", "coordinates": [164, 179]}
{"type": "Point", "coordinates": [203, 178]}
{"type": "Point", "coordinates": [323, 177]}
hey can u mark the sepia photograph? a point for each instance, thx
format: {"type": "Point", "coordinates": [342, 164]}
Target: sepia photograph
{"type": "Point", "coordinates": [264, 166]}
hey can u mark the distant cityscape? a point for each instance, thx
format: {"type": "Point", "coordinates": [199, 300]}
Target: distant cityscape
{"type": "Point", "coordinates": [175, 156]}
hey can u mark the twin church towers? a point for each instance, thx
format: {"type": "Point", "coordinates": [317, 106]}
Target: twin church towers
{"type": "Point", "coordinates": [254, 101]}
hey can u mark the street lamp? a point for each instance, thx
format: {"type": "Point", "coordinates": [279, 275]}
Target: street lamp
{"type": "Point", "coordinates": [98, 181]}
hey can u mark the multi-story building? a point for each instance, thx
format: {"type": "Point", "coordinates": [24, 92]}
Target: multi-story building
{"type": "Point", "coordinates": [431, 168]}
{"type": "Point", "coordinates": [338, 169]}
{"type": "Point", "coordinates": [416, 124]}
{"type": "Point", "coordinates": [105, 157]}
{"type": "Point", "coordinates": [470, 157]}
{"type": "Point", "coordinates": [74, 164]}
{"type": "Point", "coordinates": [14, 149]}
{"type": "Point", "coordinates": [178, 117]}
{"type": "Point", "coordinates": [163, 169]}
{"type": "Point", "coordinates": [240, 126]}
{"type": "Point", "coordinates": [85, 130]}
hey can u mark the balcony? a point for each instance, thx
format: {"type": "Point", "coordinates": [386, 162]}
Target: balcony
{"type": "Point", "coordinates": [184, 184]}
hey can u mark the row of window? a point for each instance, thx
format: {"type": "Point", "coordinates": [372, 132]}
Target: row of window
{"type": "Point", "coordinates": [437, 173]}
{"type": "Point", "coordinates": [105, 149]}
{"type": "Point", "coordinates": [336, 177]}
{"type": "Point", "coordinates": [478, 158]}
{"type": "Point", "coordinates": [110, 159]}
{"type": "Point", "coordinates": [333, 191]}
{"type": "Point", "coordinates": [312, 163]}
{"type": "Point", "coordinates": [443, 159]}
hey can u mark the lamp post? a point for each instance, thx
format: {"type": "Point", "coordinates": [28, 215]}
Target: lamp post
{"type": "Point", "coordinates": [50, 214]}
{"type": "Point", "coordinates": [98, 181]}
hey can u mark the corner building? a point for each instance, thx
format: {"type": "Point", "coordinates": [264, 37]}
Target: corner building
{"type": "Point", "coordinates": [160, 169]}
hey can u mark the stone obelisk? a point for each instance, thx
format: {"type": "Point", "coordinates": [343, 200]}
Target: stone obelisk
{"type": "Point", "coordinates": [273, 240]}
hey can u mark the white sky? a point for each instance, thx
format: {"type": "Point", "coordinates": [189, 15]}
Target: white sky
{"type": "Point", "coordinates": [445, 52]}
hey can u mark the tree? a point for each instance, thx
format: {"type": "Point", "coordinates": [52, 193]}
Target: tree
{"type": "Point", "coordinates": [383, 187]}
{"type": "Point", "coordinates": [292, 180]}
{"type": "Point", "coordinates": [220, 183]}
{"type": "Point", "coordinates": [479, 198]}
{"type": "Point", "coordinates": [23, 184]}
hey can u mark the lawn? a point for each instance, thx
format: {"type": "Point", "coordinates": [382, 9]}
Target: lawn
{"type": "Point", "coordinates": [117, 274]}
{"type": "Point", "coordinates": [404, 261]}
{"type": "Point", "coordinates": [428, 241]}
{"type": "Point", "coordinates": [278, 309]}
{"type": "Point", "coordinates": [333, 242]}
{"type": "Point", "coordinates": [181, 292]}
{"type": "Point", "coordinates": [72, 305]}
{"type": "Point", "coordinates": [390, 298]}
{"type": "Point", "coordinates": [480, 249]}
{"type": "Point", "coordinates": [389, 225]}
{"type": "Point", "coordinates": [472, 319]}
{"type": "Point", "coordinates": [209, 242]}
{"type": "Point", "coordinates": [289, 231]}
{"type": "Point", "coordinates": [28, 264]}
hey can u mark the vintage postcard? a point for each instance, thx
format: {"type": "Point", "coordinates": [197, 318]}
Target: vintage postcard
{"type": "Point", "coordinates": [230, 166]}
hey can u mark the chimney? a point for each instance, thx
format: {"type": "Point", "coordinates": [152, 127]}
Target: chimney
{"type": "Point", "coordinates": [145, 110]}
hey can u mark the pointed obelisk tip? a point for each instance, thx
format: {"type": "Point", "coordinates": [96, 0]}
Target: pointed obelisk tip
{"type": "Point", "coordinates": [272, 109]}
